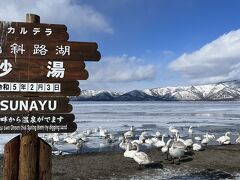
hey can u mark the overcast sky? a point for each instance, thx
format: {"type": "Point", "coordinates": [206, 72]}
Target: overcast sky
{"type": "Point", "coordinates": [147, 43]}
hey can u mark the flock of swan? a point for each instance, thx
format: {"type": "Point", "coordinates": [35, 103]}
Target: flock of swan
{"type": "Point", "coordinates": [173, 145]}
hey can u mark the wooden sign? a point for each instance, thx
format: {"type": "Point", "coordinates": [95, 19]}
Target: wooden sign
{"type": "Point", "coordinates": [28, 31]}
{"type": "Point", "coordinates": [36, 74]}
{"type": "Point", "coordinates": [38, 88]}
{"type": "Point", "coordinates": [25, 64]}
{"type": "Point", "coordinates": [41, 123]}
{"type": "Point", "coordinates": [34, 70]}
{"type": "Point", "coordinates": [37, 67]}
{"type": "Point", "coordinates": [83, 51]}
{"type": "Point", "coordinates": [38, 62]}
{"type": "Point", "coordinates": [17, 105]}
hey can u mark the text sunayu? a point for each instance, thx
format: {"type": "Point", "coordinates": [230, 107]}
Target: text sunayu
{"type": "Point", "coordinates": [27, 105]}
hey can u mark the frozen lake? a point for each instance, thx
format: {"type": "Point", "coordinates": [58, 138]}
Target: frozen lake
{"type": "Point", "coordinates": [117, 117]}
{"type": "Point", "coordinates": [217, 117]}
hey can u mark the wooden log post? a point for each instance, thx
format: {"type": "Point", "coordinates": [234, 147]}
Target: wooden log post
{"type": "Point", "coordinates": [35, 154]}
{"type": "Point", "coordinates": [45, 160]}
{"type": "Point", "coordinates": [11, 157]}
{"type": "Point", "coordinates": [28, 169]}
{"type": "Point", "coordinates": [28, 157]}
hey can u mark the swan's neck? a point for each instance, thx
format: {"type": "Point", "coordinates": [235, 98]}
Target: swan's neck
{"type": "Point", "coordinates": [137, 147]}
{"type": "Point", "coordinates": [162, 138]}
{"type": "Point", "coordinates": [177, 138]}
{"type": "Point", "coordinates": [173, 144]}
{"type": "Point", "coordinates": [169, 141]}
{"type": "Point", "coordinates": [124, 140]}
{"type": "Point", "coordinates": [128, 147]}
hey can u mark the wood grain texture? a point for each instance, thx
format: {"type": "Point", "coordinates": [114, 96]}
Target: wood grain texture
{"type": "Point", "coordinates": [25, 64]}
{"type": "Point", "coordinates": [11, 157]}
{"type": "Point", "coordinates": [84, 51]}
{"type": "Point", "coordinates": [28, 158]}
{"type": "Point", "coordinates": [41, 74]}
{"type": "Point", "coordinates": [58, 31]}
{"type": "Point", "coordinates": [45, 160]}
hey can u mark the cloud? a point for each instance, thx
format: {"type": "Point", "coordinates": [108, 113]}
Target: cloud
{"type": "Point", "coordinates": [216, 61]}
{"type": "Point", "coordinates": [79, 16]}
{"type": "Point", "coordinates": [121, 69]}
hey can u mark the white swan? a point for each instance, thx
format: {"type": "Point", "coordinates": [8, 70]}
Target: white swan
{"type": "Point", "coordinates": [157, 134]}
{"type": "Point", "coordinates": [181, 143]}
{"type": "Point", "coordinates": [156, 137]}
{"type": "Point", "coordinates": [176, 152]}
{"type": "Point", "coordinates": [96, 130]}
{"type": "Point", "coordinates": [207, 138]}
{"type": "Point", "coordinates": [129, 153]}
{"type": "Point", "coordinates": [166, 147]}
{"type": "Point", "coordinates": [184, 143]}
{"type": "Point", "coordinates": [56, 137]}
{"type": "Point", "coordinates": [122, 144]}
{"type": "Point", "coordinates": [87, 132]}
{"type": "Point", "coordinates": [190, 131]}
{"type": "Point", "coordinates": [188, 142]}
{"type": "Point", "coordinates": [130, 134]}
{"type": "Point", "coordinates": [238, 139]}
{"type": "Point", "coordinates": [205, 141]}
{"type": "Point", "coordinates": [143, 137]}
{"type": "Point", "coordinates": [160, 143]}
{"type": "Point", "coordinates": [224, 139]}
{"type": "Point", "coordinates": [145, 134]}
{"type": "Point", "coordinates": [138, 141]}
{"type": "Point", "coordinates": [198, 138]}
{"type": "Point", "coordinates": [110, 138]}
{"type": "Point", "coordinates": [70, 140]}
{"type": "Point", "coordinates": [79, 145]}
{"type": "Point", "coordinates": [149, 141]}
{"type": "Point", "coordinates": [211, 137]}
{"type": "Point", "coordinates": [55, 149]}
{"type": "Point", "coordinates": [197, 147]}
{"type": "Point", "coordinates": [173, 130]}
{"type": "Point", "coordinates": [82, 136]}
{"type": "Point", "coordinates": [141, 157]}
{"type": "Point", "coordinates": [103, 132]}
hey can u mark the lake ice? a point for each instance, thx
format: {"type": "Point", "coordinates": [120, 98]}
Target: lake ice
{"type": "Point", "coordinates": [117, 117]}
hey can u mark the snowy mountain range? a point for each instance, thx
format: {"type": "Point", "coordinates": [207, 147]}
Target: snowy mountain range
{"type": "Point", "coordinates": [222, 91]}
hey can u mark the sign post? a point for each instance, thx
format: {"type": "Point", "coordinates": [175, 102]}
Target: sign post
{"type": "Point", "coordinates": [39, 68]}
{"type": "Point", "coordinates": [28, 146]}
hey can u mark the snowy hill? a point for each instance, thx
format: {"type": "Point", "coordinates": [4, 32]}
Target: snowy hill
{"type": "Point", "coordinates": [211, 92]}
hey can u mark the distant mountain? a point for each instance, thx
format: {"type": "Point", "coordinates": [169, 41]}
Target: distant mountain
{"type": "Point", "coordinates": [221, 91]}
{"type": "Point", "coordinates": [93, 95]}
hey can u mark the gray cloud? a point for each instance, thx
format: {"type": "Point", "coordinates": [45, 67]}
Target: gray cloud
{"type": "Point", "coordinates": [216, 61]}
{"type": "Point", "coordinates": [121, 69]}
{"type": "Point", "coordinates": [70, 12]}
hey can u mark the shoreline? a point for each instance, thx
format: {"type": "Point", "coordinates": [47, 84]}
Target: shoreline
{"type": "Point", "coordinates": [222, 161]}
{"type": "Point", "coordinates": [107, 165]}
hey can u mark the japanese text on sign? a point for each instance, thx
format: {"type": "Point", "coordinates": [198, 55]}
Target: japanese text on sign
{"type": "Point", "coordinates": [29, 87]}
{"type": "Point", "coordinates": [32, 119]}
{"type": "Point", "coordinates": [56, 69]}
{"type": "Point", "coordinates": [38, 49]}
{"type": "Point", "coordinates": [23, 30]}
